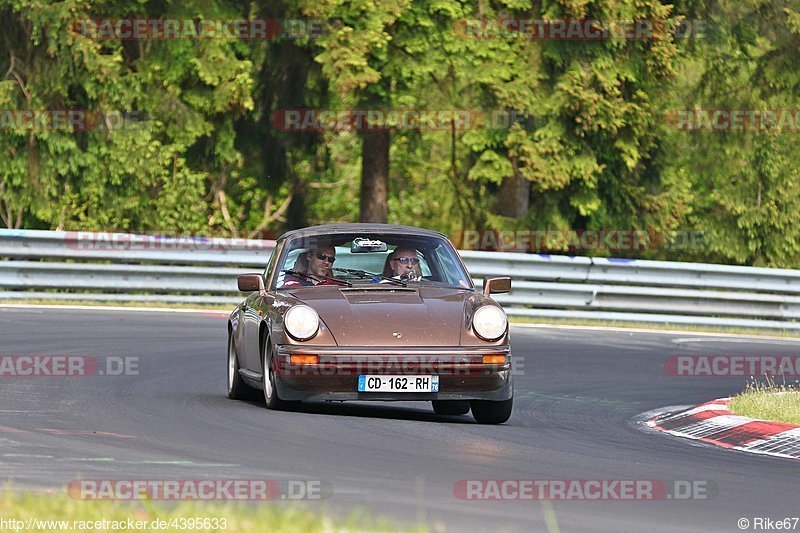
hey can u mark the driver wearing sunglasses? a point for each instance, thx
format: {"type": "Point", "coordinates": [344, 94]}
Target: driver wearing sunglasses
{"type": "Point", "coordinates": [319, 261]}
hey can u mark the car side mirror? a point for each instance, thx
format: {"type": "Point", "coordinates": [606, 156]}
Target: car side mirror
{"type": "Point", "coordinates": [251, 283]}
{"type": "Point", "coordinates": [496, 285]}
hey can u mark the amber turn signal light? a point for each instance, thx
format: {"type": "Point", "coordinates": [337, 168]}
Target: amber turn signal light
{"type": "Point", "coordinates": [304, 359]}
{"type": "Point", "coordinates": [494, 359]}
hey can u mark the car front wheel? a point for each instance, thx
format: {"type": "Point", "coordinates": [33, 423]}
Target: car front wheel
{"type": "Point", "coordinates": [271, 397]}
{"type": "Point", "coordinates": [489, 412]}
{"type": "Point", "coordinates": [237, 388]}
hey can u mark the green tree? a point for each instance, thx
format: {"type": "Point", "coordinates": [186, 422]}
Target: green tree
{"type": "Point", "coordinates": [746, 187]}
{"type": "Point", "coordinates": [163, 171]}
{"type": "Point", "coordinates": [588, 149]}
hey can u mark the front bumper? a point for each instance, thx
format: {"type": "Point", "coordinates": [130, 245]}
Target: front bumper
{"type": "Point", "coordinates": [462, 373]}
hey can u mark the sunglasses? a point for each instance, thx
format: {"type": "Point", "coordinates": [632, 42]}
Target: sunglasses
{"type": "Point", "coordinates": [406, 260]}
{"type": "Point", "coordinates": [323, 257]}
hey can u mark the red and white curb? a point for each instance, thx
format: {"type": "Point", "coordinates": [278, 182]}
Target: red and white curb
{"type": "Point", "coordinates": [714, 423]}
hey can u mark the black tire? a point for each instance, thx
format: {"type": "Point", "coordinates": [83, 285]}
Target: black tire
{"type": "Point", "coordinates": [450, 407]}
{"type": "Point", "coordinates": [271, 397]}
{"type": "Point", "coordinates": [237, 388]}
{"type": "Point", "coordinates": [489, 412]}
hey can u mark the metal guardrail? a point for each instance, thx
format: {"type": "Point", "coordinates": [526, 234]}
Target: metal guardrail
{"type": "Point", "coordinates": [42, 265]}
{"type": "Point", "coordinates": [129, 248]}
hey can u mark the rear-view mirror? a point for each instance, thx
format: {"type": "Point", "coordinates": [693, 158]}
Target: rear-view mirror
{"type": "Point", "coordinates": [362, 246]}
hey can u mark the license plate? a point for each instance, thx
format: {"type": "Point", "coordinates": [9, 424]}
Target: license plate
{"type": "Point", "coordinates": [385, 383]}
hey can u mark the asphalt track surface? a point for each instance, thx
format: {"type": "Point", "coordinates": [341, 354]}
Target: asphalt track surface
{"type": "Point", "coordinates": [578, 394]}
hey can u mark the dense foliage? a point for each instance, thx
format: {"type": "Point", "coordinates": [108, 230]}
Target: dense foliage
{"type": "Point", "coordinates": [188, 135]}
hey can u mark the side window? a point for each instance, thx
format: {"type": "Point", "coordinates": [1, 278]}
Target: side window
{"type": "Point", "coordinates": [423, 265]}
{"type": "Point", "coordinates": [289, 263]}
{"type": "Point", "coordinates": [273, 260]}
{"type": "Point", "coordinates": [446, 265]}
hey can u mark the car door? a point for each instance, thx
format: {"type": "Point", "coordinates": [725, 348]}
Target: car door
{"type": "Point", "coordinates": [254, 312]}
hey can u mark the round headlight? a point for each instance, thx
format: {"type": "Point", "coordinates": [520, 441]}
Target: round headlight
{"type": "Point", "coordinates": [489, 322]}
{"type": "Point", "coordinates": [301, 322]}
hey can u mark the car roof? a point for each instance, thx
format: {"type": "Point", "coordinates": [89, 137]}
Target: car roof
{"type": "Point", "coordinates": [356, 227]}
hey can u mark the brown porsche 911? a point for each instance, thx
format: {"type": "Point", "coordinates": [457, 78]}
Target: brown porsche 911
{"type": "Point", "coordinates": [371, 312]}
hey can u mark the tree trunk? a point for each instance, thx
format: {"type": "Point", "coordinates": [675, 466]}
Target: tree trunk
{"type": "Point", "coordinates": [514, 197]}
{"type": "Point", "coordinates": [296, 213]}
{"type": "Point", "coordinates": [375, 176]}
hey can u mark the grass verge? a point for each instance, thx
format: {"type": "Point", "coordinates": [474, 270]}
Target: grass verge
{"type": "Point", "coordinates": [31, 511]}
{"type": "Point", "coordinates": [768, 401]}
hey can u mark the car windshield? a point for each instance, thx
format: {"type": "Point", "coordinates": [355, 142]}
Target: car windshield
{"type": "Point", "coordinates": [369, 259]}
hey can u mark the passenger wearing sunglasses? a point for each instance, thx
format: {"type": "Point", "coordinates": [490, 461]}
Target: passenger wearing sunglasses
{"type": "Point", "coordinates": [403, 263]}
{"type": "Point", "coordinates": [317, 263]}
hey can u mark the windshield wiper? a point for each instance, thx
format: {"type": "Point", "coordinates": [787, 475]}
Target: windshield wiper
{"type": "Point", "coordinates": [299, 274]}
{"type": "Point", "coordinates": [363, 274]}
{"type": "Point", "coordinates": [315, 278]}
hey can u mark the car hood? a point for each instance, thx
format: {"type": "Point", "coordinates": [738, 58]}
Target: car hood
{"type": "Point", "coordinates": [391, 316]}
